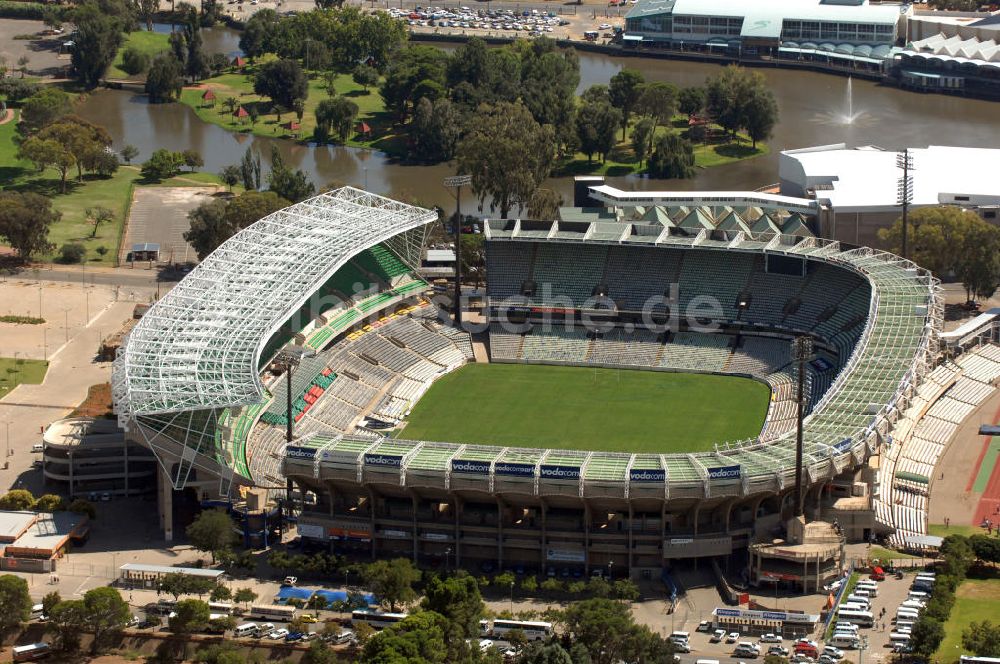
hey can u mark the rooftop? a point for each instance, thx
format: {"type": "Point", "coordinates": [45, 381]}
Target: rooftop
{"type": "Point", "coordinates": [14, 523]}
{"type": "Point", "coordinates": [49, 534]}
{"type": "Point", "coordinates": [762, 15]}
{"type": "Point", "coordinates": [167, 569]}
{"type": "Point", "coordinates": [865, 178]}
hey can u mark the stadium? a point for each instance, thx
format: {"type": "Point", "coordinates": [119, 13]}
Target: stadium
{"type": "Point", "coordinates": [625, 398]}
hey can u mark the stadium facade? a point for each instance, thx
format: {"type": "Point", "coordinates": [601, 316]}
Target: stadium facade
{"type": "Point", "coordinates": [193, 381]}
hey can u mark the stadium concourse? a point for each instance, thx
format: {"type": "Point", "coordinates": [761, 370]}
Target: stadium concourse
{"type": "Point", "coordinates": [203, 377]}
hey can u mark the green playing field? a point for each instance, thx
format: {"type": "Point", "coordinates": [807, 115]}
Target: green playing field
{"type": "Point", "coordinates": [588, 409]}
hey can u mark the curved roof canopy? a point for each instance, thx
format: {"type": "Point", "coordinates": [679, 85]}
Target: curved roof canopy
{"type": "Point", "coordinates": [199, 346]}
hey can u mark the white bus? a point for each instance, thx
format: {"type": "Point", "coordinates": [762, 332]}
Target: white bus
{"type": "Point", "coordinates": [375, 618]}
{"type": "Point", "coordinates": [221, 607]}
{"type": "Point", "coordinates": [533, 630]}
{"type": "Point", "coordinates": [859, 618]}
{"type": "Point", "coordinates": [31, 652]}
{"type": "Point", "coordinates": [273, 612]}
{"type": "Point", "coordinates": [969, 659]}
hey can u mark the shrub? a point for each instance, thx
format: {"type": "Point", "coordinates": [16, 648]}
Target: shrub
{"type": "Point", "coordinates": [134, 61]}
{"type": "Point", "coordinates": [72, 252]}
{"type": "Point", "coordinates": [23, 10]}
{"type": "Point", "coordinates": [22, 320]}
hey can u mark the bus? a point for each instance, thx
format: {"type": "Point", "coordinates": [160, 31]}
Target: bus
{"type": "Point", "coordinates": [533, 630]}
{"type": "Point", "coordinates": [273, 612]}
{"type": "Point", "coordinates": [969, 659]}
{"type": "Point", "coordinates": [221, 607]}
{"type": "Point", "coordinates": [858, 617]}
{"type": "Point", "coordinates": [375, 618]}
{"type": "Point", "coordinates": [31, 652]}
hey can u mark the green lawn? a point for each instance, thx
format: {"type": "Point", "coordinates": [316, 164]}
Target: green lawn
{"type": "Point", "coordinates": [588, 409]}
{"type": "Point", "coordinates": [880, 553]}
{"type": "Point", "coordinates": [149, 43]}
{"type": "Point", "coordinates": [371, 110]}
{"type": "Point", "coordinates": [24, 371]}
{"type": "Point", "coordinates": [939, 530]}
{"type": "Point", "coordinates": [716, 150]}
{"type": "Point", "coordinates": [975, 600]}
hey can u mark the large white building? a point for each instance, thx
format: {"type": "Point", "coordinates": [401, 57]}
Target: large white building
{"type": "Point", "coordinates": [856, 188]}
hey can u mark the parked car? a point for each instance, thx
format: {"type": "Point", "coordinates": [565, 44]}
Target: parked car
{"type": "Point", "coordinates": [833, 652]}
{"type": "Point", "coordinates": [778, 651]}
{"type": "Point", "coordinates": [770, 638]}
{"type": "Point", "coordinates": [828, 659]}
{"type": "Point", "coordinates": [704, 626]}
{"type": "Point", "coordinates": [290, 581]}
{"type": "Point", "coordinates": [293, 636]}
{"type": "Point", "coordinates": [717, 636]}
{"type": "Point", "coordinates": [278, 634]}
{"type": "Point", "coordinates": [733, 637]}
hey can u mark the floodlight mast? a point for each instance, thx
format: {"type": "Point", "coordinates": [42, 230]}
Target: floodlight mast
{"type": "Point", "coordinates": [802, 348]}
{"type": "Point", "coordinates": [456, 182]}
{"type": "Point", "coordinates": [904, 191]}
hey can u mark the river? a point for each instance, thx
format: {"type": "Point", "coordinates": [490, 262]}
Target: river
{"type": "Point", "coordinates": [812, 108]}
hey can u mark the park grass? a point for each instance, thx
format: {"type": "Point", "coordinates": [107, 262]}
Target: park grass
{"type": "Point", "coordinates": [975, 600]}
{"type": "Point", "coordinates": [940, 530]}
{"type": "Point", "coordinates": [114, 193]}
{"type": "Point", "coordinates": [718, 149]}
{"type": "Point", "coordinates": [24, 371]}
{"type": "Point", "coordinates": [371, 110]}
{"type": "Point", "coordinates": [588, 409]}
{"type": "Point", "coordinates": [150, 43]}
{"type": "Point", "coordinates": [881, 553]}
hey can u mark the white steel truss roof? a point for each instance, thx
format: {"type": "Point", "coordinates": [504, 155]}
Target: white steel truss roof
{"type": "Point", "coordinates": [199, 346]}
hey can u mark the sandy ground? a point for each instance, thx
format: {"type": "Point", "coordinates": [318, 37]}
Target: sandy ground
{"type": "Point", "coordinates": [43, 52]}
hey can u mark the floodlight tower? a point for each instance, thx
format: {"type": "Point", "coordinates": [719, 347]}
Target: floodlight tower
{"type": "Point", "coordinates": [456, 182]}
{"type": "Point", "coordinates": [904, 190]}
{"type": "Point", "coordinates": [289, 358]}
{"type": "Point", "coordinates": [802, 348]}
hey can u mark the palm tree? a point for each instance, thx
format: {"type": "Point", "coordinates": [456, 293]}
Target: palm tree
{"type": "Point", "coordinates": [230, 104]}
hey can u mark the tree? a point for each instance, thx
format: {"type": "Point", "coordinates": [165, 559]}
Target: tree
{"type": "Point", "coordinates": [549, 653]}
{"type": "Point", "coordinates": [129, 152]}
{"type": "Point", "coordinates": [642, 137]}
{"type": "Point", "coordinates": [657, 101]}
{"type": "Point", "coordinates": [43, 107]}
{"type": "Point", "coordinates": [982, 639]}
{"type": "Point", "coordinates": [507, 153]}
{"type": "Point", "coordinates": [220, 593]}
{"type": "Point", "coordinates": [163, 164]}
{"type": "Point", "coordinates": [363, 633]}
{"type": "Point", "coordinates": [84, 141]}
{"type": "Point", "coordinates": [245, 596]}
{"type": "Point", "coordinates": [49, 601]}
{"type": "Point", "coordinates": [105, 613]}
{"type": "Point", "coordinates": [22, 64]}
{"type": "Point", "coordinates": [15, 602]}
{"type": "Point", "coordinates": [257, 36]}
{"type": "Point", "coordinates": [175, 584]}
{"type": "Point", "coordinates": [607, 630]}
{"type": "Point", "coordinates": [391, 581]}
{"type": "Point", "coordinates": [958, 556]}
{"type": "Point", "coordinates": [98, 215]}
{"type": "Point", "coordinates": [624, 90]}
{"type": "Point", "coordinates": [411, 68]}
{"type": "Point", "coordinates": [72, 253]}
{"type": "Point", "coordinates": [48, 153]}
{"type": "Point", "coordinates": [735, 95]}
{"type": "Point", "coordinates": [319, 652]}
{"type": "Point", "coordinates": [50, 502]}
{"type": "Point", "coordinates": [192, 159]}
{"type": "Point", "coordinates": [691, 100]}
{"type": "Point", "coordinates": [134, 61]}
{"type": "Point", "coordinates": [282, 81]}
{"type": "Point", "coordinates": [422, 637]}
{"type": "Point", "coordinates": [760, 115]}
{"type": "Point", "coordinates": [456, 598]}
{"type": "Point", "coordinates": [24, 225]}
{"type": "Point", "coordinates": [365, 76]}
{"type": "Point", "coordinates": [215, 221]}
{"type": "Point", "coordinates": [626, 590]}
{"type": "Point", "coordinates": [979, 268]}
{"type": "Point", "coordinates": [212, 531]}
{"type": "Point", "coordinates": [435, 130]}
{"type": "Point", "coordinates": [336, 114]}
{"type": "Point", "coordinates": [81, 506]}
{"type": "Point", "coordinates": [95, 43]}
{"type": "Point", "coordinates": [18, 89]}
{"type": "Point", "coordinates": [190, 616]}
{"type": "Point", "coordinates": [986, 548]}
{"type": "Point", "coordinates": [66, 621]}
{"type": "Point", "coordinates": [673, 157]}
{"type": "Point", "coordinates": [544, 204]}
{"type": "Point", "coordinates": [147, 9]}
{"type": "Point", "coordinates": [926, 636]}
{"type": "Point", "coordinates": [290, 185]}
{"type": "Point", "coordinates": [596, 124]}
{"type": "Point", "coordinates": [165, 78]}
{"type": "Point", "coordinates": [250, 169]}
{"type": "Point", "coordinates": [230, 175]}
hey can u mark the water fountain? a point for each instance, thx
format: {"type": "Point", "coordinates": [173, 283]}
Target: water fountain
{"type": "Point", "coordinates": [849, 117]}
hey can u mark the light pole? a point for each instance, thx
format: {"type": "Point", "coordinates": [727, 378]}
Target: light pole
{"type": "Point", "coordinates": [802, 349]}
{"type": "Point", "coordinates": [456, 182]}
{"type": "Point", "coordinates": [7, 442]}
{"type": "Point", "coordinates": [289, 358]}
{"type": "Point", "coordinates": [447, 559]}
{"type": "Point", "coordinates": [512, 598]}
{"type": "Point", "coordinates": [904, 190]}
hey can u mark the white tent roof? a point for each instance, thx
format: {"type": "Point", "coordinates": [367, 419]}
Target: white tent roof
{"type": "Point", "coordinates": [200, 345]}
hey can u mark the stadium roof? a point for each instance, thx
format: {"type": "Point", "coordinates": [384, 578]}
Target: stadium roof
{"type": "Point", "coordinates": [864, 179]}
{"type": "Point", "coordinates": [764, 17]}
{"type": "Point", "coordinates": [200, 345]}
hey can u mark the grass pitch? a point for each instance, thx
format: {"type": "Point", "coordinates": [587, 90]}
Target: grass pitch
{"type": "Point", "coordinates": [975, 600]}
{"type": "Point", "coordinates": [588, 409]}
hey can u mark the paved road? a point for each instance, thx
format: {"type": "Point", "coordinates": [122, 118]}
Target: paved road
{"type": "Point", "coordinates": [139, 277]}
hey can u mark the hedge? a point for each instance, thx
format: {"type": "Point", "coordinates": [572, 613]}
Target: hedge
{"type": "Point", "coordinates": [25, 10]}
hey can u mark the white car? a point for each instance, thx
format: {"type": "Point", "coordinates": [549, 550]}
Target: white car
{"type": "Point", "coordinates": [770, 638]}
{"type": "Point", "coordinates": [604, 26]}
{"type": "Point", "coordinates": [717, 636]}
{"type": "Point", "coordinates": [290, 581]}
{"type": "Point", "coordinates": [733, 637]}
{"type": "Point", "coordinates": [484, 645]}
{"type": "Point", "coordinates": [836, 653]}
{"type": "Point", "coordinates": [278, 634]}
